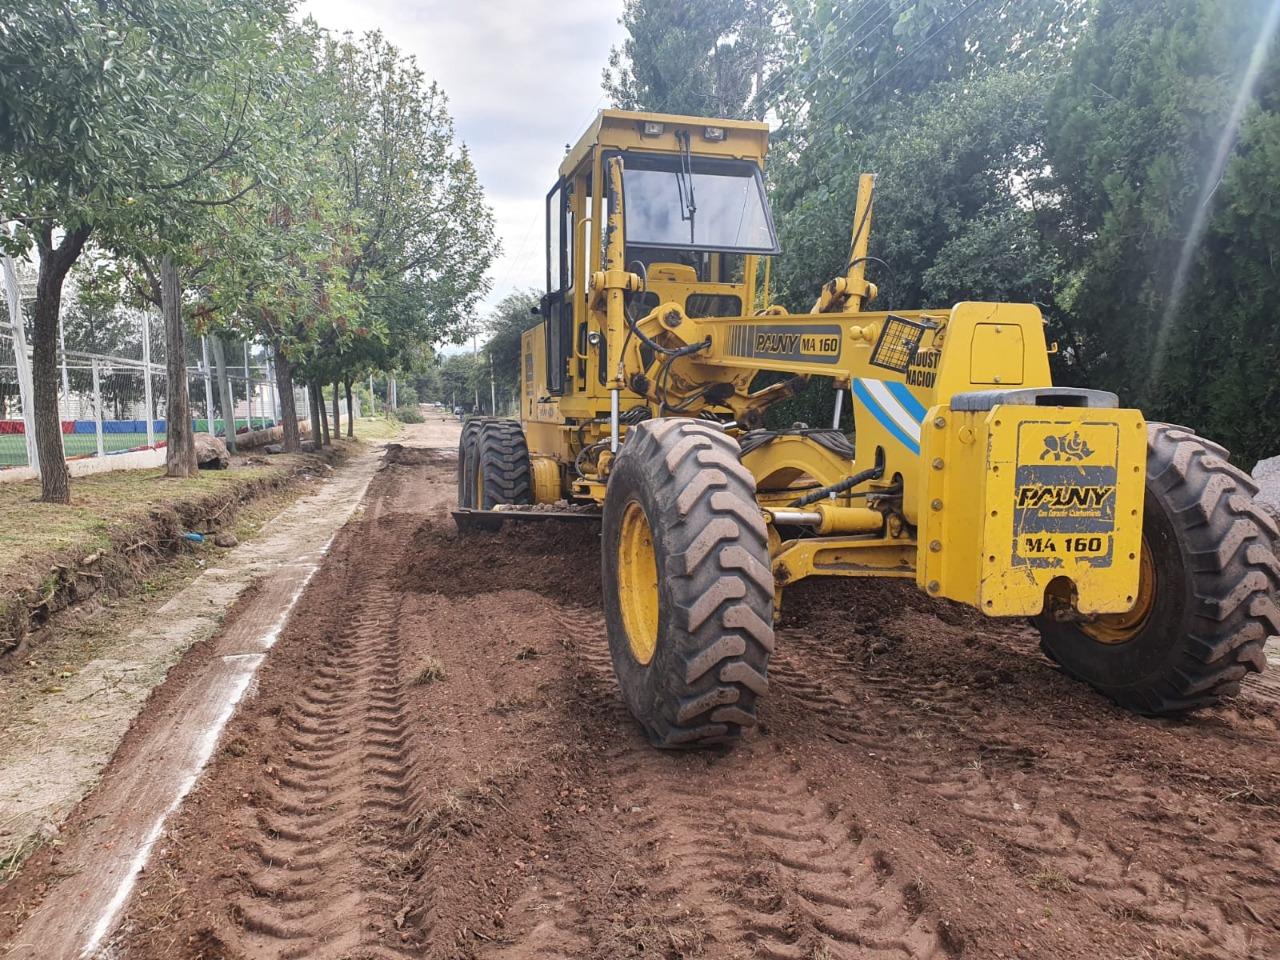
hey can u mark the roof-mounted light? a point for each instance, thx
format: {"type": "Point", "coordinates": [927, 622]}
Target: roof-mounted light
{"type": "Point", "coordinates": [651, 128]}
{"type": "Point", "coordinates": [714, 134]}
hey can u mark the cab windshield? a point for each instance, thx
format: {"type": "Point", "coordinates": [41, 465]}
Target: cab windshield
{"type": "Point", "coordinates": [698, 203]}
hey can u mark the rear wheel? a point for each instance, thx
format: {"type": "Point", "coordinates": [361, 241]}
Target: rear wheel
{"type": "Point", "coordinates": [688, 589]}
{"type": "Point", "coordinates": [467, 462]}
{"type": "Point", "coordinates": [501, 474]}
{"type": "Point", "coordinates": [1207, 588]}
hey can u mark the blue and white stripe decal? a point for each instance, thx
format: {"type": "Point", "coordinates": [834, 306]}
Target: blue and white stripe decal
{"type": "Point", "coordinates": [894, 407]}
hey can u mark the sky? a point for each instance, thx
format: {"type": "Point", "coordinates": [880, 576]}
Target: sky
{"type": "Point", "coordinates": [523, 80]}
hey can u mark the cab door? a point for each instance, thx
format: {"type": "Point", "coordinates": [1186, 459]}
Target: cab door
{"type": "Point", "coordinates": [557, 307]}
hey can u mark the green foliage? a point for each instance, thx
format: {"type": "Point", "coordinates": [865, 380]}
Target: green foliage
{"type": "Point", "coordinates": [1059, 152]}
{"type": "Point", "coordinates": [513, 316]}
{"type": "Point", "coordinates": [409, 414]}
{"type": "Point", "coordinates": [311, 190]}
{"type": "Point", "coordinates": [697, 58]}
{"type": "Point", "coordinates": [1135, 125]}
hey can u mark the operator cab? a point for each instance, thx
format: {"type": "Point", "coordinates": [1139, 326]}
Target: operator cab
{"type": "Point", "coordinates": [696, 222]}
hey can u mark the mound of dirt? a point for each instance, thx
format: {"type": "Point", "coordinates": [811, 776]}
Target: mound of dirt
{"type": "Point", "coordinates": [560, 561]}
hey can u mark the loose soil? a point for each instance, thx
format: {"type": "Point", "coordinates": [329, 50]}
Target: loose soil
{"type": "Point", "coordinates": [437, 764]}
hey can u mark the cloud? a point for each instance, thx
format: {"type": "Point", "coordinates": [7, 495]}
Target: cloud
{"type": "Point", "coordinates": [523, 80]}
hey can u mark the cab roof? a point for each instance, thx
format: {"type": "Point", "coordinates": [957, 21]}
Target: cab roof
{"type": "Point", "coordinates": [622, 129]}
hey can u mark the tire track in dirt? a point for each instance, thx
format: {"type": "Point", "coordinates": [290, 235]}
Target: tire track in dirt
{"type": "Point", "coordinates": [1197, 906]}
{"type": "Point", "coordinates": [335, 802]}
{"type": "Point", "coordinates": [767, 861]}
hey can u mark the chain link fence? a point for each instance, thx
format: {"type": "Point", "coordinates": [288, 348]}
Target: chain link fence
{"type": "Point", "coordinates": [111, 403]}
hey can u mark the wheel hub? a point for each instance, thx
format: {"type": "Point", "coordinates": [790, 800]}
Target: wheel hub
{"type": "Point", "coordinates": [638, 583]}
{"type": "Point", "coordinates": [1114, 628]}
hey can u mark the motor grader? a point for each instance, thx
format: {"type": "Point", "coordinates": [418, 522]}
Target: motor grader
{"type": "Point", "coordinates": [1135, 548]}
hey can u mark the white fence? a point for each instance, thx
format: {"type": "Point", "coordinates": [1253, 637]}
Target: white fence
{"type": "Point", "coordinates": [115, 402]}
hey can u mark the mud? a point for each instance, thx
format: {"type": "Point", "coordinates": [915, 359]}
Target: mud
{"type": "Point", "coordinates": [436, 764]}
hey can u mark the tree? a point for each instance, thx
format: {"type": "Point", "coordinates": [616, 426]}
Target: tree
{"type": "Point", "coordinates": [701, 58]}
{"type": "Point", "coordinates": [1164, 136]}
{"type": "Point", "coordinates": [506, 326]}
{"type": "Point", "coordinates": [428, 239]}
{"type": "Point", "coordinates": [101, 129]}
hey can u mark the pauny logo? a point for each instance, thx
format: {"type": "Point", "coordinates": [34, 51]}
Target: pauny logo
{"type": "Point", "coordinates": [1064, 497]}
{"type": "Point", "coordinates": [1065, 447]}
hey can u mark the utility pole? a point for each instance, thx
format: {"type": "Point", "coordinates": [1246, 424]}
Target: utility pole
{"type": "Point", "coordinates": [493, 390]}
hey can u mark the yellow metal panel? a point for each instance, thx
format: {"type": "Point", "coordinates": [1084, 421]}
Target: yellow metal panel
{"type": "Point", "coordinates": [995, 354]}
{"type": "Point", "coordinates": [620, 129]}
{"type": "Point", "coordinates": [842, 557]}
{"type": "Point", "coordinates": [1019, 496]}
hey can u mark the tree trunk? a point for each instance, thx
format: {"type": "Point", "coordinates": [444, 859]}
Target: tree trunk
{"type": "Point", "coordinates": [55, 262]}
{"type": "Point", "coordinates": [324, 413]}
{"type": "Point", "coordinates": [224, 392]}
{"type": "Point", "coordinates": [288, 409]}
{"type": "Point", "coordinates": [316, 405]}
{"type": "Point", "coordinates": [180, 450]}
{"type": "Point", "coordinates": [337, 413]}
{"type": "Point", "coordinates": [351, 416]}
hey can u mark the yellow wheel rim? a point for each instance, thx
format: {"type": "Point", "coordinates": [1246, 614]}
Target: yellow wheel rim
{"type": "Point", "coordinates": [638, 583]}
{"type": "Point", "coordinates": [1121, 627]}
{"type": "Point", "coordinates": [479, 504]}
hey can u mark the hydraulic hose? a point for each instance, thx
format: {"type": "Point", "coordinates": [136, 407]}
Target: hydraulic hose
{"type": "Point", "coordinates": [848, 483]}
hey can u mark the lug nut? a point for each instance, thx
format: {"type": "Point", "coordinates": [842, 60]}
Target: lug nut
{"type": "Point", "coordinates": [935, 545]}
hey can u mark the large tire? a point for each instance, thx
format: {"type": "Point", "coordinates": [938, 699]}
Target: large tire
{"type": "Point", "coordinates": [1213, 603]}
{"type": "Point", "coordinates": [501, 471]}
{"type": "Point", "coordinates": [682, 508]}
{"type": "Point", "coordinates": [467, 462]}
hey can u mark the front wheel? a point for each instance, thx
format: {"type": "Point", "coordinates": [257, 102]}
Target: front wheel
{"type": "Point", "coordinates": [1206, 594]}
{"type": "Point", "coordinates": [688, 588]}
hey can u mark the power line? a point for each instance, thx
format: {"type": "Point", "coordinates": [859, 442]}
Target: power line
{"type": "Point", "coordinates": [839, 49]}
{"type": "Point", "coordinates": [830, 136]}
{"type": "Point", "coordinates": [843, 114]}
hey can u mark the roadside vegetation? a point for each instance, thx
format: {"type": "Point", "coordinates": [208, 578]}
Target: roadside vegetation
{"type": "Point", "coordinates": [1113, 161]}
{"type": "Point", "coordinates": [246, 172]}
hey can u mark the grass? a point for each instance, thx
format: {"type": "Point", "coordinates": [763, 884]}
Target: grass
{"type": "Point", "coordinates": [13, 447]}
{"type": "Point", "coordinates": [376, 428]}
{"type": "Point", "coordinates": [99, 503]}
{"type": "Point", "coordinates": [432, 672]}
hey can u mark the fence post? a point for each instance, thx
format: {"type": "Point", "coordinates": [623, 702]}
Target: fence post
{"type": "Point", "coordinates": [66, 380]}
{"type": "Point", "coordinates": [274, 415]}
{"type": "Point", "coordinates": [21, 361]}
{"type": "Point", "coordinates": [248, 386]}
{"type": "Point", "coordinates": [146, 377]}
{"type": "Point", "coordinates": [97, 408]}
{"type": "Point", "coordinates": [208, 385]}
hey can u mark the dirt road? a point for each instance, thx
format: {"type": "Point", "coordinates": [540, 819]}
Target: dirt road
{"type": "Point", "coordinates": [436, 764]}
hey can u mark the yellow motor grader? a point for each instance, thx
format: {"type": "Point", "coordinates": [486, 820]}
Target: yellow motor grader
{"type": "Point", "coordinates": [1135, 548]}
